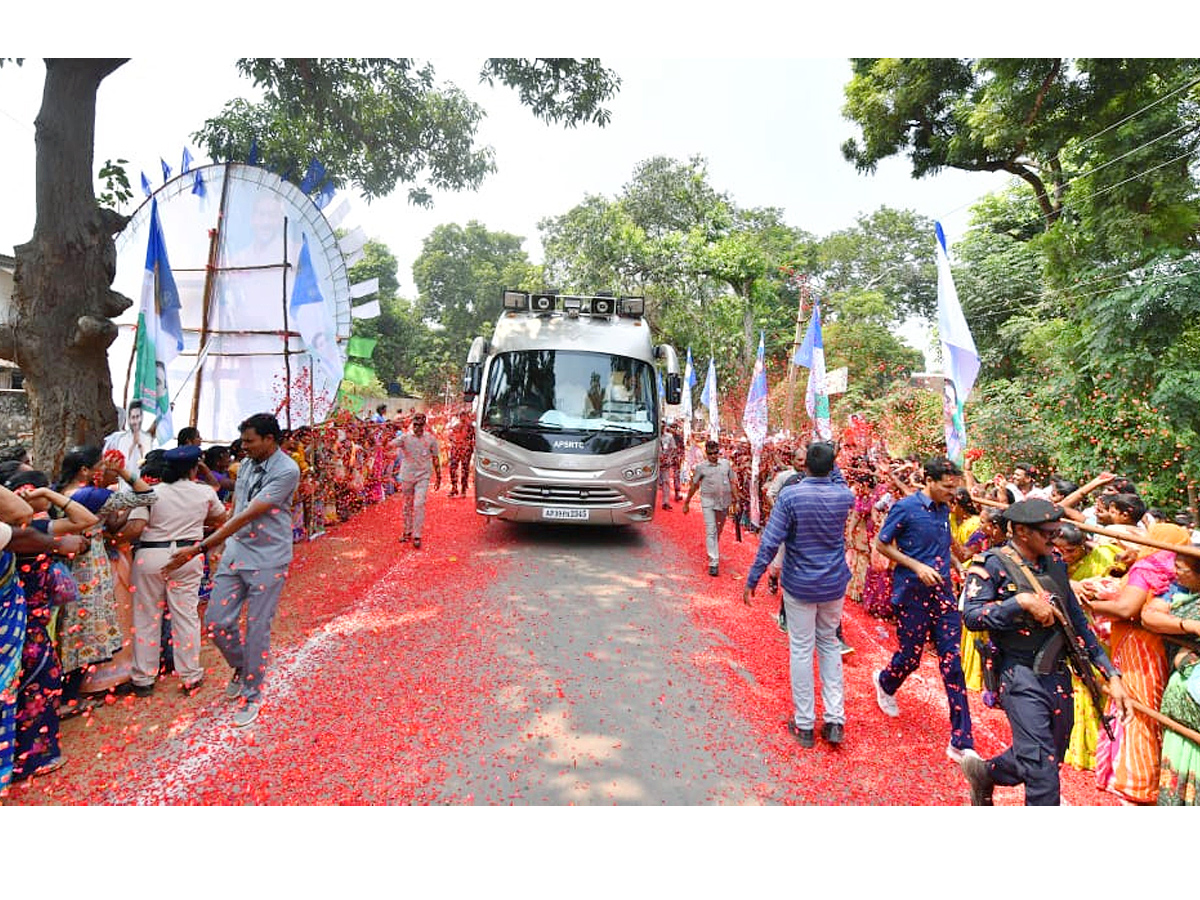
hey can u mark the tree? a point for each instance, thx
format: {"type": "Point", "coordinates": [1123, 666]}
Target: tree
{"type": "Point", "coordinates": [1017, 115]}
{"type": "Point", "coordinates": [461, 275]}
{"type": "Point", "coordinates": [374, 123]}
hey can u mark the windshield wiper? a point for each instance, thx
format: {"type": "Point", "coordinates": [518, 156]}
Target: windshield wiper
{"type": "Point", "coordinates": [613, 426]}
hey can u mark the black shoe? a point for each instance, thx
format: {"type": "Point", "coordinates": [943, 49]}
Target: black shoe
{"type": "Point", "coordinates": [772, 584]}
{"type": "Point", "coordinates": [712, 570]}
{"type": "Point", "coordinates": [666, 506]}
{"type": "Point", "coordinates": [143, 690]}
{"type": "Point", "coordinates": [833, 733]}
{"type": "Point", "coordinates": [978, 778]}
{"type": "Point", "coordinates": [783, 622]}
{"type": "Point", "coordinates": [416, 543]}
{"type": "Point", "coordinates": [804, 736]}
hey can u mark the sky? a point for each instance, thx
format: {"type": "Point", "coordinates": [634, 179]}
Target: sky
{"type": "Point", "coordinates": [770, 130]}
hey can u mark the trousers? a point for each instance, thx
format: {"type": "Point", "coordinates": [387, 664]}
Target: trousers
{"type": "Point", "coordinates": [714, 521]}
{"type": "Point", "coordinates": [923, 612]}
{"type": "Point", "coordinates": [256, 590]}
{"type": "Point", "coordinates": [413, 494]}
{"type": "Point", "coordinates": [816, 624]}
{"type": "Point", "coordinates": [460, 462]}
{"type": "Point", "coordinates": [179, 593]}
{"type": "Point", "coordinates": [1041, 712]}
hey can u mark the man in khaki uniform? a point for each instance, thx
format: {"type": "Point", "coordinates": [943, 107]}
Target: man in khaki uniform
{"type": "Point", "coordinates": [184, 509]}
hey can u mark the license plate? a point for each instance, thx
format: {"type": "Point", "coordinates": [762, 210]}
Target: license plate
{"type": "Point", "coordinates": [560, 513]}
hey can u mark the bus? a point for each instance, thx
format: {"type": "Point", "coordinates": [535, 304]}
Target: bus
{"type": "Point", "coordinates": [568, 413]}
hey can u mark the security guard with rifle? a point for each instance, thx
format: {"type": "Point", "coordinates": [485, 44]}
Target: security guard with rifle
{"type": "Point", "coordinates": [1021, 595]}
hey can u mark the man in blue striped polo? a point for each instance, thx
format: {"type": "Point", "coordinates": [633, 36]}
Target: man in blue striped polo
{"type": "Point", "coordinates": [809, 519]}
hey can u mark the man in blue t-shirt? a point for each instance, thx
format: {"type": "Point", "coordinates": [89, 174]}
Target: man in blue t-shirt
{"type": "Point", "coordinates": [916, 537]}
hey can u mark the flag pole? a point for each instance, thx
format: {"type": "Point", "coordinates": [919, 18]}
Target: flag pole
{"type": "Point", "coordinates": [791, 391]}
{"type": "Point", "coordinates": [287, 361]}
{"type": "Point", "coordinates": [210, 279]}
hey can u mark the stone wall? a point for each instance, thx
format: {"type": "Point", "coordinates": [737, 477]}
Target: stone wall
{"type": "Point", "coordinates": [15, 424]}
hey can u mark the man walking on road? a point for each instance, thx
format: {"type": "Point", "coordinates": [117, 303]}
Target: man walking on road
{"type": "Point", "coordinates": [718, 489]}
{"type": "Point", "coordinates": [916, 536]}
{"type": "Point", "coordinates": [420, 451]}
{"type": "Point", "coordinates": [255, 562]}
{"type": "Point", "coordinates": [809, 519]}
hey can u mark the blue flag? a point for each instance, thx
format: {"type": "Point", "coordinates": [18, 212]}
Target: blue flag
{"type": "Point", "coordinates": [312, 177]}
{"type": "Point", "coordinates": [166, 170]}
{"type": "Point", "coordinates": [754, 423]}
{"type": "Point", "coordinates": [312, 318]}
{"type": "Point", "coordinates": [187, 162]}
{"type": "Point", "coordinates": [689, 382]}
{"type": "Point", "coordinates": [812, 354]}
{"type": "Point", "coordinates": [960, 361]}
{"type": "Point", "coordinates": [159, 333]}
{"type": "Point", "coordinates": [754, 417]}
{"type": "Point", "coordinates": [146, 185]}
{"type": "Point", "coordinates": [708, 397]}
{"type": "Point", "coordinates": [322, 199]}
{"type": "Point", "coordinates": [198, 186]}
{"type": "Point", "coordinates": [252, 159]}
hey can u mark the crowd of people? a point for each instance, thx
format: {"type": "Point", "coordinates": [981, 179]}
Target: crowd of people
{"type": "Point", "coordinates": [115, 567]}
{"type": "Point", "coordinates": [966, 567]}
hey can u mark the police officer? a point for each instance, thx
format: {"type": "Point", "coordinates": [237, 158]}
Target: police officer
{"type": "Point", "coordinates": [1006, 594]}
{"type": "Point", "coordinates": [184, 509]}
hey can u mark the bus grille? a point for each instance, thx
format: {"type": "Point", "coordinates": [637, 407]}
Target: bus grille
{"type": "Point", "coordinates": [566, 495]}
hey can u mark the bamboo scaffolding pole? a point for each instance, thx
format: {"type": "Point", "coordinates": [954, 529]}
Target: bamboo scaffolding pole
{"type": "Point", "coordinates": [210, 279]}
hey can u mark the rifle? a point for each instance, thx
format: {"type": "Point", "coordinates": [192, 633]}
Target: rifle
{"type": "Point", "coordinates": [1080, 662]}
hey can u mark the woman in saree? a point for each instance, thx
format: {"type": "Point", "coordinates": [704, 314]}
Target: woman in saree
{"type": "Point", "coordinates": [968, 538]}
{"type": "Point", "coordinates": [12, 630]}
{"type": "Point", "coordinates": [90, 630]}
{"type": "Point", "coordinates": [1128, 766]}
{"type": "Point", "coordinates": [45, 583]}
{"type": "Point", "coordinates": [1084, 560]}
{"type": "Point", "coordinates": [1176, 616]}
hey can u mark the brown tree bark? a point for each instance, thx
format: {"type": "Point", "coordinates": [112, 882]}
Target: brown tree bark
{"type": "Point", "coordinates": [61, 325]}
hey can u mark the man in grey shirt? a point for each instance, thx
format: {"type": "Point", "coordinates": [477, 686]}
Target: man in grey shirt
{"type": "Point", "coordinates": [255, 562]}
{"type": "Point", "coordinates": [718, 489]}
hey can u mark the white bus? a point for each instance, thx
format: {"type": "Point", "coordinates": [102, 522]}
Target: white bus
{"type": "Point", "coordinates": [568, 416]}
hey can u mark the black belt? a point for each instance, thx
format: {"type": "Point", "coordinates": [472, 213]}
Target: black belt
{"type": "Point", "coordinates": [158, 545]}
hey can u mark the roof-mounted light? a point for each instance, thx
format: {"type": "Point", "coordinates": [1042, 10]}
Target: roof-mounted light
{"type": "Point", "coordinates": [572, 305]}
{"type": "Point", "coordinates": [516, 300]}
{"type": "Point", "coordinates": [603, 306]}
{"type": "Point", "coordinates": [542, 303]}
{"type": "Point", "coordinates": [633, 306]}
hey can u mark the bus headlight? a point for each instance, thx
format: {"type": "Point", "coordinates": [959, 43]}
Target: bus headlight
{"type": "Point", "coordinates": [496, 466]}
{"type": "Point", "coordinates": [638, 473]}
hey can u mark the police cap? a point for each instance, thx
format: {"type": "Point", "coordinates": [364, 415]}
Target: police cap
{"type": "Point", "coordinates": [1033, 511]}
{"type": "Point", "coordinates": [189, 455]}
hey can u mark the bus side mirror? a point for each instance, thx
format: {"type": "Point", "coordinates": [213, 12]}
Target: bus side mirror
{"type": "Point", "coordinates": [674, 388]}
{"type": "Point", "coordinates": [472, 380]}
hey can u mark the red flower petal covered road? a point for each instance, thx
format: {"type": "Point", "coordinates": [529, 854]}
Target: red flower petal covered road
{"type": "Point", "coordinates": [506, 664]}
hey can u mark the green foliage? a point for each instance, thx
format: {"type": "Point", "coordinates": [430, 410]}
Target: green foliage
{"type": "Point", "coordinates": [567, 91]}
{"type": "Point", "coordinates": [375, 123]}
{"type": "Point", "coordinates": [116, 191]}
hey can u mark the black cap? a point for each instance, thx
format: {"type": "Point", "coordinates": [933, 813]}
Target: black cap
{"type": "Point", "coordinates": [1033, 511]}
{"type": "Point", "coordinates": [188, 454]}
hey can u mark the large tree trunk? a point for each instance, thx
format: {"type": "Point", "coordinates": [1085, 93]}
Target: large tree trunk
{"type": "Point", "coordinates": [62, 311]}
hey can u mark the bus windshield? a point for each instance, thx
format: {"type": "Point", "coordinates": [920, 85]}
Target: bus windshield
{"type": "Point", "coordinates": [569, 390]}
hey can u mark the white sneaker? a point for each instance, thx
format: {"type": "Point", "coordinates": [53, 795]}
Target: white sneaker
{"type": "Point", "coordinates": [956, 756]}
{"type": "Point", "coordinates": [885, 700]}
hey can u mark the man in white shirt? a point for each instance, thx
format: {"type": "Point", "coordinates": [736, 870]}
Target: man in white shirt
{"type": "Point", "coordinates": [420, 450]}
{"type": "Point", "coordinates": [133, 443]}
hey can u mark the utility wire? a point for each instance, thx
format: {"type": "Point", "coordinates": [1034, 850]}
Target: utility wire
{"type": "Point", "coordinates": [1109, 128]}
